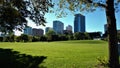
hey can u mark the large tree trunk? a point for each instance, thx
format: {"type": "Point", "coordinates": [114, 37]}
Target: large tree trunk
{"type": "Point", "coordinates": [112, 34]}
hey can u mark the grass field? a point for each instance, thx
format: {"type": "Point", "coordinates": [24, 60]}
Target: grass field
{"type": "Point", "coordinates": [63, 54]}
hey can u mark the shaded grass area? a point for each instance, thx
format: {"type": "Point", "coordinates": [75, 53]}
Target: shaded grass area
{"type": "Point", "coordinates": [64, 54]}
{"type": "Point", "coordinates": [12, 59]}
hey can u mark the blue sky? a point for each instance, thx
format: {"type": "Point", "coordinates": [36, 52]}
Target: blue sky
{"type": "Point", "coordinates": [94, 21]}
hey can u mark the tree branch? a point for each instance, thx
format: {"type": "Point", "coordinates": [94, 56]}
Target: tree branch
{"type": "Point", "coordinates": [99, 4]}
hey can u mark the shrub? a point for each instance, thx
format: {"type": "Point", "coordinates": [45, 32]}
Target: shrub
{"type": "Point", "coordinates": [49, 38]}
{"type": "Point", "coordinates": [70, 37]}
{"type": "Point", "coordinates": [12, 38]}
{"type": "Point", "coordinates": [55, 38]}
{"type": "Point", "coordinates": [18, 39]}
{"type": "Point", "coordinates": [25, 38]}
{"type": "Point", "coordinates": [6, 39]}
{"type": "Point", "coordinates": [102, 62]}
{"type": "Point", "coordinates": [35, 39]}
{"type": "Point", "coordinates": [43, 38]}
{"type": "Point", "coordinates": [118, 36]}
{"type": "Point", "coordinates": [79, 36]}
{"type": "Point", "coordinates": [63, 38]}
{"type": "Point", "coordinates": [1, 39]}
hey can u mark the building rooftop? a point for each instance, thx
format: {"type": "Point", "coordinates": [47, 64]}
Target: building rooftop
{"type": "Point", "coordinates": [79, 14]}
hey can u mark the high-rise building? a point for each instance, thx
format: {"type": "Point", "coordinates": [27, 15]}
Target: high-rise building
{"type": "Point", "coordinates": [69, 28]}
{"type": "Point", "coordinates": [37, 32]}
{"type": "Point", "coordinates": [28, 30]}
{"type": "Point", "coordinates": [47, 29]}
{"type": "Point", "coordinates": [58, 27]}
{"type": "Point", "coordinates": [105, 28]}
{"type": "Point", "coordinates": [79, 23]}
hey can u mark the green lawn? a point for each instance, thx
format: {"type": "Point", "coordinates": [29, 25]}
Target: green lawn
{"type": "Point", "coordinates": [63, 54]}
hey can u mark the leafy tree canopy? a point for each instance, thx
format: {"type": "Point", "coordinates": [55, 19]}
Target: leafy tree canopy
{"type": "Point", "coordinates": [64, 7]}
{"type": "Point", "coordinates": [13, 13]}
{"type": "Point", "coordinates": [50, 33]}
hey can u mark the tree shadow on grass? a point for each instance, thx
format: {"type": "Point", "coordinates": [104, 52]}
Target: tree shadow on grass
{"type": "Point", "coordinates": [13, 59]}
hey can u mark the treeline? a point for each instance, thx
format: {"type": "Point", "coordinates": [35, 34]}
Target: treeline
{"type": "Point", "coordinates": [105, 36]}
{"type": "Point", "coordinates": [50, 37]}
{"type": "Point", "coordinates": [118, 36]}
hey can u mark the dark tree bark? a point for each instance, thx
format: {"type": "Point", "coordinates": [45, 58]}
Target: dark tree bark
{"type": "Point", "coordinates": [112, 34]}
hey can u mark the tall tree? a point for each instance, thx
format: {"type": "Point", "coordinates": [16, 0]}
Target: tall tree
{"type": "Point", "coordinates": [110, 6]}
{"type": "Point", "coordinates": [13, 13]}
{"type": "Point", "coordinates": [50, 32]}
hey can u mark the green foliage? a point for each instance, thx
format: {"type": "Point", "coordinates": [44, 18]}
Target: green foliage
{"type": "Point", "coordinates": [70, 37]}
{"type": "Point", "coordinates": [102, 61]}
{"type": "Point", "coordinates": [35, 39]}
{"type": "Point", "coordinates": [76, 36]}
{"type": "Point", "coordinates": [95, 35]}
{"type": "Point", "coordinates": [25, 38]}
{"type": "Point", "coordinates": [43, 38]}
{"type": "Point", "coordinates": [13, 13]}
{"type": "Point", "coordinates": [12, 38]}
{"type": "Point", "coordinates": [81, 36]}
{"type": "Point", "coordinates": [10, 17]}
{"type": "Point", "coordinates": [18, 39]}
{"type": "Point", "coordinates": [55, 38]}
{"type": "Point", "coordinates": [1, 39]}
{"type": "Point", "coordinates": [87, 36]}
{"type": "Point", "coordinates": [49, 38]}
{"type": "Point", "coordinates": [63, 7]}
{"type": "Point", "coordinates": [50, 32]}
{"type": "Point", "coordinates": [118, 36]}
{"type": "Point", "coordinates": [6, 39]}
{"type": "Point", "coordinates": [63, 37]}
{"type": "Point", "coordinates": [51, 35]}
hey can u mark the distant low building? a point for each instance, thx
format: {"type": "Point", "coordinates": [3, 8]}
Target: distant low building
{"type": "Point", "coordinates": [69, 28]}
{"type": "Point", "coordinates": [37, 32]}
{"type": "Point", "coordinates": [28, 30]}
{"type": "Point", "coordinates": [33, 31]}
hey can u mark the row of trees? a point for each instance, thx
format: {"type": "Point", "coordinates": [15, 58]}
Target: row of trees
{"type": "Point", "coordinates": [50, 36]}
{"type": "Point", "coordinates": [118, 36]}
{"type": "Point", "coordinates": [105, 36]}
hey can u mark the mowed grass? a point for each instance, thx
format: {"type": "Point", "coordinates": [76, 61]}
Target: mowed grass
{"type": "Point", "coordinates": [63, 54]}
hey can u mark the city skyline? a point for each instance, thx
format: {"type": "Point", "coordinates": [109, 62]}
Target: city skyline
{"type": "Point", "coordinates": [94, 21]}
